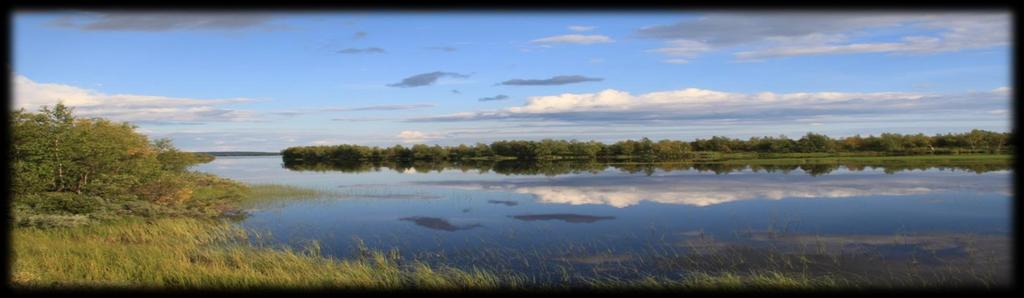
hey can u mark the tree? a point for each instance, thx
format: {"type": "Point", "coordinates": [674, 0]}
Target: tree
{"type": "Point", "coordinates": [171, 159]}
{"type": "Point", "coordinates": [53, 151]}
{"type": "Point", "coordinates": [813, 142]}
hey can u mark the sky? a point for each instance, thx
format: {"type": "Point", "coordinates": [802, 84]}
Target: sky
{"type": "Point", "coordinates": [263, 81]}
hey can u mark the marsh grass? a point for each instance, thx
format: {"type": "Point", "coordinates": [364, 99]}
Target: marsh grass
{"type": "Point", "coordinates": [269, 195]}
{"type": "Point", "coordinates": [184, 253]}
{"type": "Point", "coordinates": [189, 253]}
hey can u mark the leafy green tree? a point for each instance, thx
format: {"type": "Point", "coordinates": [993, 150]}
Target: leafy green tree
{"type": "Point", "coordinates": [813, 142]}
{"type": "Point", "coordinates": [171, 159]}
{"type": "Point", "coordinates": [52, 151]}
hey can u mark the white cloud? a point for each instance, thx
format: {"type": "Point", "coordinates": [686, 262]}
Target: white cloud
{"type": "Point", "coordinates": [31, 95]}
{"type": "Point", "coordinates": [414, 136]}
{"type": "Point", "coordinates": [578, 28]}
{"type": "Point", "coordinates": [573, 38]}
{"type": "Point", "coordinates": [676, 61]}
{"type": "Point", "coordinates": [705, 106]}
{"type": "Point", "coordinates": [690, 101]}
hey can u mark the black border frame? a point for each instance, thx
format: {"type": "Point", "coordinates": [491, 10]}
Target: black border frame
{"type": "Point", "coordinates": [447, 6]}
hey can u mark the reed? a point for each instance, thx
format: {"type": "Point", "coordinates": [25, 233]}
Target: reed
{"type": "Point", "coordinates": [187, 253]}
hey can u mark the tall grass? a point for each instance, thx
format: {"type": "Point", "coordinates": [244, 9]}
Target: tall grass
{"type": "Point", "coordinates": [184, 253]}
{"type": "Point", "coordinates": [187, 253]}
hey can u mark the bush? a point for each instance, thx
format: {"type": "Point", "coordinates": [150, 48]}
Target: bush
{"type": "Point", "coordinates": [61, 202]}
{"type": "Point", "coordinates": [166, 189]}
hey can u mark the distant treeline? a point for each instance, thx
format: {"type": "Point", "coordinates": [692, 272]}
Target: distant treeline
{"type": "Point", "coordinates": [975, 141]}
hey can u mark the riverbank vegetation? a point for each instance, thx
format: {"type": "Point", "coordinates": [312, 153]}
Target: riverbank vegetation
{"type": "Point", "coordinates": [713, 149]}
{"type": "Point", "coordinates": [97, 205]}
{"type": "Point", "coordinates": [68, 171]}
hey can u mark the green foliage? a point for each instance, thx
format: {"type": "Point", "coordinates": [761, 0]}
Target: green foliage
{"type": "Point", "coordinates": [975, 141]}
{"type": "Point", "coordinates": [61, 202]}
{"type": "Point", "coordinates": [66, 168]}
{"type": "Point", "coordinates": [173, 160]}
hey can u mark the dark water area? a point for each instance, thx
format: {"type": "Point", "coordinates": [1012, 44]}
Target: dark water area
{"type": "Point", "coordinates": [561, 222]}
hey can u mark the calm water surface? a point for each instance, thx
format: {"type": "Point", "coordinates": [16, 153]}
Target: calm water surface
{"type": "Point", "coordinates": [939, 224]}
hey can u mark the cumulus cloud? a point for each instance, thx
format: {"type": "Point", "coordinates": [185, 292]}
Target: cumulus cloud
{"type": "Point", "coordinates": [573, 39]}
{"type": "Point", "coordinates": [556, 80]}
{"type": "Point", "coordinates": [426, 79]}
{"type": "Point", "coordinates": [371, 50]}
{"type": "Point", "coordinates": [695, 104]}
{"type": "Point", "coordinates": [415, 136]}
{"type": "Point", "coordinates": [498, 97]}
{"type": "Point", "coordinates": [155, 22]}
{"type": "Point", "coordinates": [579, 28]}
{"type": "Point", "coordinates": [778, 35]}
{"type": "Point", "coordinates": [31, 95]}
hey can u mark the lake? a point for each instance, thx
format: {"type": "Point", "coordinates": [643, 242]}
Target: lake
{"type": "Point", "coordinates": [563, 224]}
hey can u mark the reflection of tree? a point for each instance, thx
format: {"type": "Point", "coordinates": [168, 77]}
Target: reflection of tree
{"type": "Point", "coordinates": [819, 169]}
{"type": "Point", "coordinates": [554, 168]}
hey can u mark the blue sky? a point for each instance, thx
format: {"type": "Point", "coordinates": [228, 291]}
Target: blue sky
{"type": "Point", "coordinates": [266, 81]}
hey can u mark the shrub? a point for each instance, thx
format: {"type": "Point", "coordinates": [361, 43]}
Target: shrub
{"type": "Point", "coordinates": [166, 189]}
{"type": "Point", "coordinates": [61, 202]}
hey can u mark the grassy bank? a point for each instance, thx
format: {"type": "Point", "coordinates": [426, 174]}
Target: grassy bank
{"type": "Point", "coordinates": [185, 253]}
{"type": "Point", "coordinates": [176, 251]}
{"type": "Point", "coordinates": [208, 254]}
{"type": "Point", "coordinates": [189, 253]}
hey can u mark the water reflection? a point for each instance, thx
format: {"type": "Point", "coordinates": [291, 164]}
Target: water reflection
{"type": "Point", "coordinates": [702, 190]}
{"type": "Point", "coordinates": [438, 223]}
{"type": "Point", "coordinates": [502, 202]}
{"type": "Point", "coordinates": [555, 168]}
{"type": "Point", "coordinates": [563, 223]}
{"type": "Point", "coordinates": [397, 197]}
{"type": "Point", "coordinates": [566, 217]}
